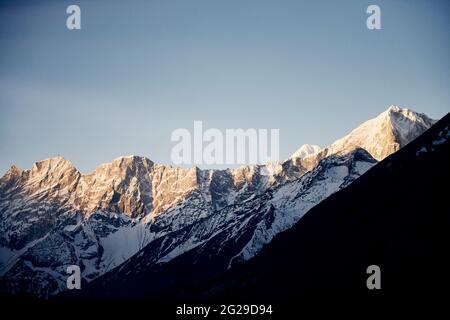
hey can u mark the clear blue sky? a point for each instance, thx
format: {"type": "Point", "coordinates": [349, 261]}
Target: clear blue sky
{"type": "Point", "coordinates": [140, 69]}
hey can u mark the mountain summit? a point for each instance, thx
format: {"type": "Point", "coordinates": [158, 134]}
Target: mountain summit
{"type": "Point", "coordinates": [306, 150]}
{"type": "Point", "coordinates": [385, 134]}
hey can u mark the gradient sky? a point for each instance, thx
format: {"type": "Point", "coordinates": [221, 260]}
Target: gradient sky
{"type": "Point", "coordinates": [140, 69]}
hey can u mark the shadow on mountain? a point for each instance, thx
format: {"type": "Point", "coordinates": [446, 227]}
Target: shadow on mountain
{"type": "Point", "coordinates": [395, 216]}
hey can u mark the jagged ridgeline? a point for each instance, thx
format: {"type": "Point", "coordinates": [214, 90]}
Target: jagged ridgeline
{"type": "Point", "coordinates": [134, 211]}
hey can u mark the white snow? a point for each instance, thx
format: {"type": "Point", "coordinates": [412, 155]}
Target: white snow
{"type": "Point", "coordinates": [122, 244]}
{"type": "Point", "coordinates": [306, 150]}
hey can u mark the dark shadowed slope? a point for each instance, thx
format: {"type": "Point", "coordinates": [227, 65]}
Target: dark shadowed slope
{"type": "Point", "coordinates": [395, 216]}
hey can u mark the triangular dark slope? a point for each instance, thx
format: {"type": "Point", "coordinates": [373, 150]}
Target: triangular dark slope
{"type": "Point", "coordinates": [394, 216]}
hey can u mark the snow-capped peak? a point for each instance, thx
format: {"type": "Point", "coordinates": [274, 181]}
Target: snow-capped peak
{"type": "Point", "coordinates": [52, 163]}
{"type": "Point", "coordinates": [395, 108]}
{"type": "Point", "coordinates": [306, 150]}
{"type": "Point", "coordinates": [384, 134]}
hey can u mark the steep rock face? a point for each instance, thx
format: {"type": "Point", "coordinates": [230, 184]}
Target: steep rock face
{"type": "Point", "coordinates": [135, 186]}
{"type": "Point", "coordinates": [34, 201]}
{"type": "Point", "coordinates": [123, 186]}
{"type": "Point", "coordinates": [53, 216]}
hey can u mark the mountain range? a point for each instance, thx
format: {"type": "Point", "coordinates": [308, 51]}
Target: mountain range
{"type": "Point", "coordinates": [132, 217]}
{"type": "Point", "coordinates": [394, 216]}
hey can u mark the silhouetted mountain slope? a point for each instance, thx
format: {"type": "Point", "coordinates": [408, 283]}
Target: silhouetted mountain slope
{"type": "Point", "coordinates": [394, 216]}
